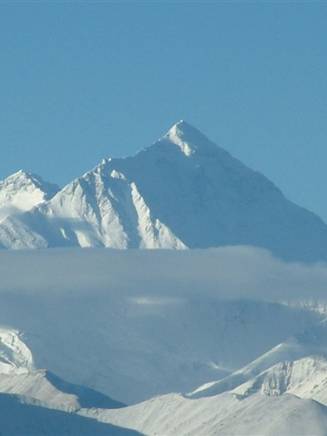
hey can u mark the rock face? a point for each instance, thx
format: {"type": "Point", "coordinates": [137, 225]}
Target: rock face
{"type": "Point", "coordinates": [181, 192]}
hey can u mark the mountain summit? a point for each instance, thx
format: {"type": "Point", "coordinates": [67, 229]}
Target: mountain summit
{"type": "Point", "coordinates": [187, 138]}
{"type": "Point", "coordinates": [22, 191]}
{"type": "Point", "coordinates": [181, 192]}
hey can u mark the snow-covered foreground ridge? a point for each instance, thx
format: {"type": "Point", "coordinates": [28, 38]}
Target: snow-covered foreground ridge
{"type": "Point", "coordinates": [36, 402]}
{"type": "Point", "coordinates": [192, 341]}
{"type": "Point", "coordinates": [283, 391]}
{"type": "Point", "coordinates": [278, 399]}
{"type": "Point", "coordinates": [183, 191]}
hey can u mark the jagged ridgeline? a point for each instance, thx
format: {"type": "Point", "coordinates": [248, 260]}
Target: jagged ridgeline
{"type": "Point", "coordinates": [181, 192]}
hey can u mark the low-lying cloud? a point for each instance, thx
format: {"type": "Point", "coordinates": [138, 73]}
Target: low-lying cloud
{"type": "Point", "coordinates": [226, 272]}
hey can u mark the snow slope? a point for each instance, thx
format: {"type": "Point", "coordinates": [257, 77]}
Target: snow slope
{"type": "Point", "coordinates": [307, 348]}
{"type": "Point", "coordinates": [305, 378]}
{"type": "Point", "coordinates": [183, 191]}
{"type": "Point", "coordinates": [223, 415]}
{"type": "Point", "coordinates": [287, 397]}
{"type": "Point", "coordinates": [35, 402]}
{"type": "Point", "coordinates": [22, 191]}
{"type": "Point", "coordinates": [19, 376]}
{"type": "Point", "coordinates": [21, 417]}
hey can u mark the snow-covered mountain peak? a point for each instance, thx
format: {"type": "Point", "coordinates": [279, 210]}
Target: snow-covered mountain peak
{"type": "Point", "coordinates": [20, 177]}
{"type": "Point", "coordinates": [22, 191]}
{"type": "Point", "coordinates": [25, 180]}
{"type": "Point", "coordinates": [189, 139]}
{"type": "Point", "coordinates": [183, 130]}
{"type": "Point", "coordinates": [18, 174]}
{"type": "Point", "coordinates": [182, 191]}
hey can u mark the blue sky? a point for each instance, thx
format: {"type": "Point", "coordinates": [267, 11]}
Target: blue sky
{"type": "Point", "coordinates": [85, 80]}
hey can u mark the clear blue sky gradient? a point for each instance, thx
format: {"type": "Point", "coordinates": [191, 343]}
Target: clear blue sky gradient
{"type": "Point", "coordinates": [84, 80]}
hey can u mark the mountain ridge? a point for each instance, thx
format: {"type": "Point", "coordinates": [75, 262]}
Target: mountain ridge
{"type": "Point", "coordinates": [22, 191]}
{"type": "Point", "coordinates": [181, 192]}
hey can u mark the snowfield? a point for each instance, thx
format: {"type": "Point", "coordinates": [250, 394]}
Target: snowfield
{"type": "Point", "coordinates": [226, 415]}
